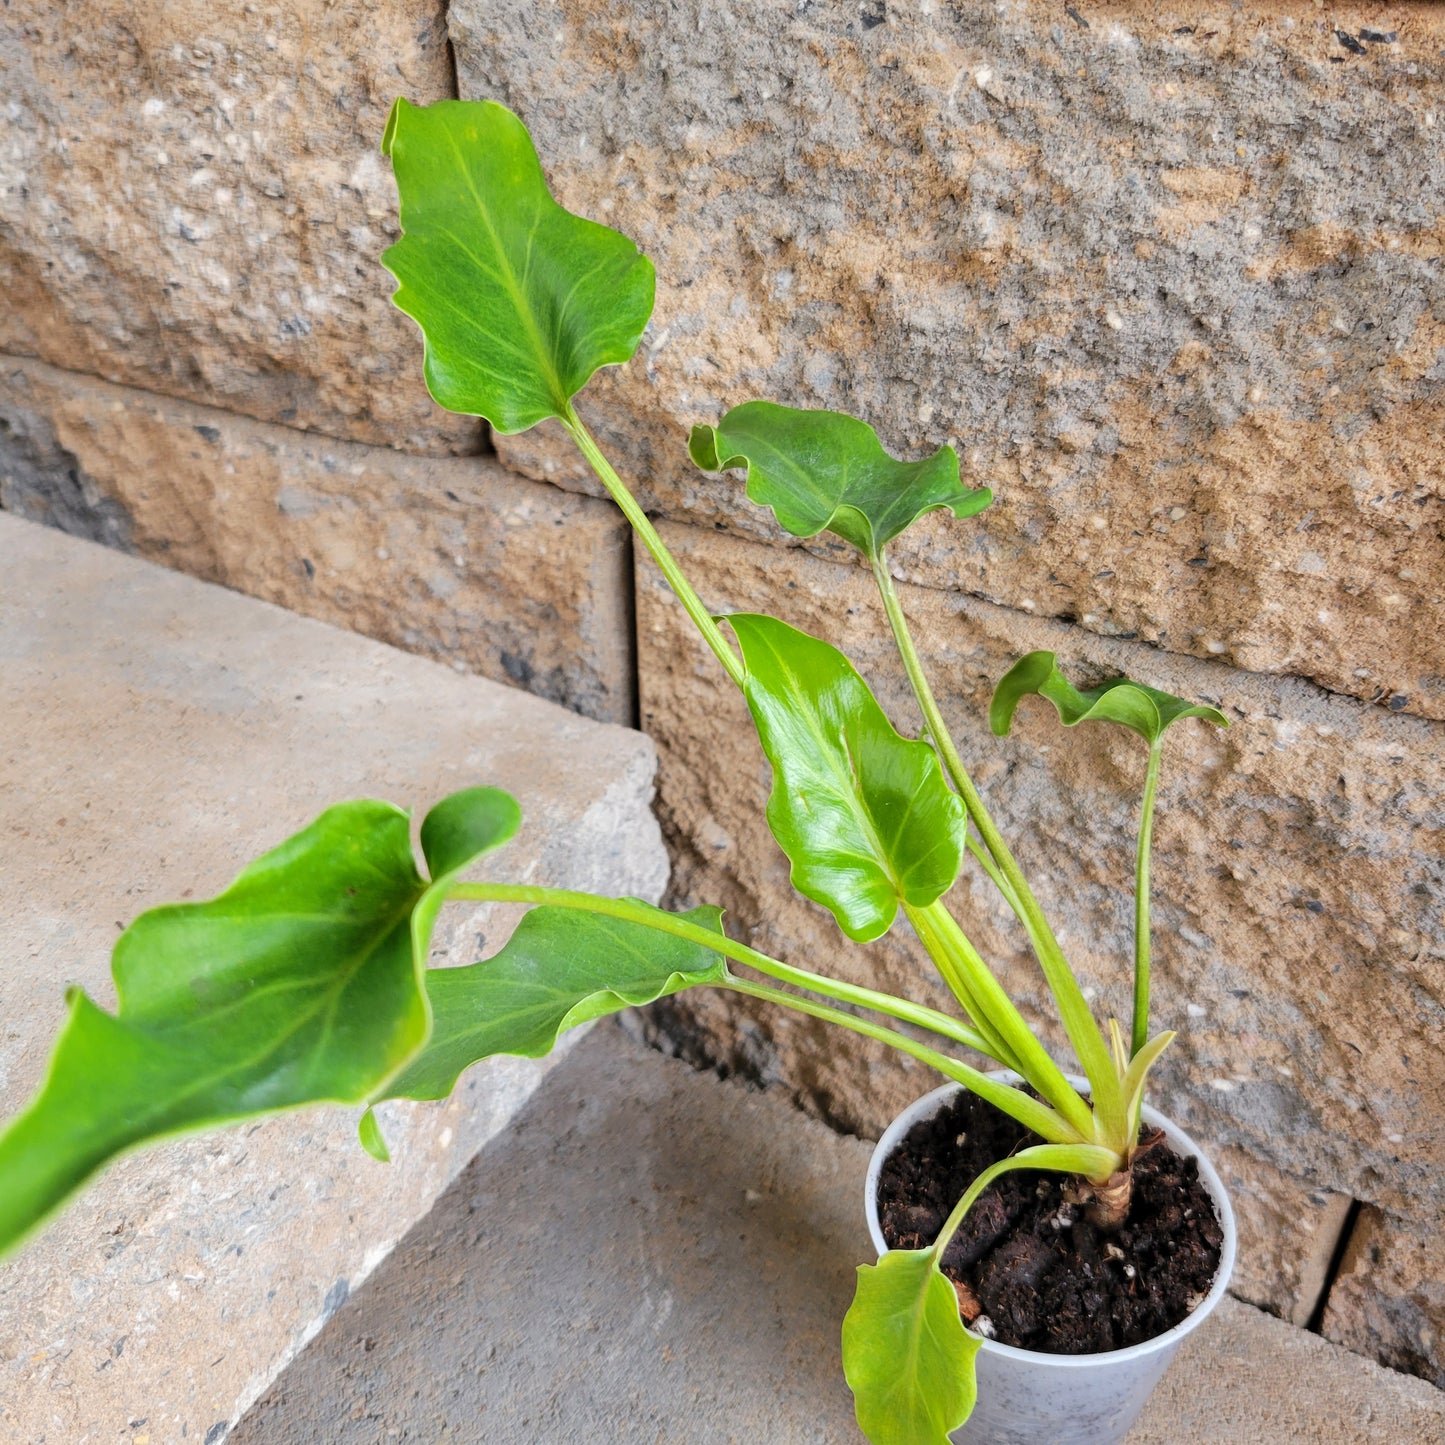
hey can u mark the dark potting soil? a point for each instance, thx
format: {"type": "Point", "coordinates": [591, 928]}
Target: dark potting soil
{"type": "Point", "coordinates": [1042, 1274]}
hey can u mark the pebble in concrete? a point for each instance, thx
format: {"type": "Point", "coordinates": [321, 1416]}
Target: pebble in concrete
{"type": "Point", "coordinates": [651, 1255]}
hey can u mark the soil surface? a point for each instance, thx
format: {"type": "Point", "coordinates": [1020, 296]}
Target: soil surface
{"type": "Point", "coordinates": [1042, 1275]}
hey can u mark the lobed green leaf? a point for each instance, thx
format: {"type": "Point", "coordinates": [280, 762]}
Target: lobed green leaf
{"type": "Point", "coordinates": [560, 968]}
{"type": "Point", "coordinates": [825, 471]}
{"type": "Point", "coordinates": [863, 813]}
{"type": "Point", "coordinates": [300, 983]}
{"type": "Point", "coordinates": [1144, 710]}
{"type": "Point", "coordinates": [907, 1357]}
{"type": "Point", "coordinates": [519, 300]}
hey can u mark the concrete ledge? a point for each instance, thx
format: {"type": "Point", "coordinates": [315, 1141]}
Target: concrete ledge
{"type": "Point", "coordinates": [160, 732]}
{"type": "Point", "coordinates": [651, 1255]}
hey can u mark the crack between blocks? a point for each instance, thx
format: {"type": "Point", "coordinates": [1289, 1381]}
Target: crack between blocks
{"type": "Point", "coordinates": [485, 446]}
{"type": "Point", "coordinates": [984, 599]}
{"type": "Point", "coordinates": [1315, 1323]}
{"type": "Point", "coordinates": [1072, 621]}
{"type": "Point", "coordinates": [634, 659]}
{"type": "Point", "coordinates": [481, 441]}
{"type": "Point", "coordinates": [446, 10]}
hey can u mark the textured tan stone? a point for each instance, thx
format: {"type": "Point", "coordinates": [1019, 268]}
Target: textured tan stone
{"type": "Point", "coordinates": [455, 558]}
{"type": "Point", "coordinates": [192, 200]}
{"type": "Point", "coordinates": [1172, 281]}
{"type": "Point", "coordinates": [1288, 1234]}
{"type": "Point", "coordinates": [1389, 1298]}
{"type": "Point", "coordinates": [159, 733]}
{"type": "Point", "coordinates": [1297, 887]}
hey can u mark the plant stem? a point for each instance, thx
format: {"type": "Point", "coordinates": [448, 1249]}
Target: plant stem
{"type": "Point", "coordinates": [920, 1015]}
{"type": "Point", "coordinates": [1094, 1162]}
{"type": "Point", "coordinates": [958, 982]}
{"type": "Point", "coordinates": [1141, 900]}
{"type": "Point", "coordinates": [927, 703]}
{"type": "Point", "coordinates": [985, 861]}
{"type": "Point", "coordinates": [1011, 1101]}
{"type": "Point", "coordinates": [904, 1010]}
{"type": "Point", "coordinates": [691, 602]}
{"type": "Point", "coordinates": [941, 934]}
{"type": "Point", "coordinates": [1078, 1020]}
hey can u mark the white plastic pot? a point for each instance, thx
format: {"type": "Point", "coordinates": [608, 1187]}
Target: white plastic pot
{"type": "Point", "coordinates": [1029, 1398]}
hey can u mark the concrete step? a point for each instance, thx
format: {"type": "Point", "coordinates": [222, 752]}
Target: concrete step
{"type": "Point", "coordinates": [650, 1255]}
{"type": "Point", "coordinates": [157, 734]}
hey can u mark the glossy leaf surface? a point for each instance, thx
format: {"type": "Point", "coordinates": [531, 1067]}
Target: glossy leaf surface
{"type": "Point", "coordinates": [863, 813]}
{"type": "Point", "coordinates": [520, 301]}
{"type": "Point", "coordinates": [300, 983]}
{"type": "Point", "coordinates": [454, 834]}
{"type": "Point", "coordinates": [1144, 710]}
{"type": "Point", "coordinates": [825, 471]}
{"type": "Point", "coordinates": [560, 968]}
{"type": "Point", "coordinates": [907, 1356]}
{"type": "Point", "coordinates": [368, 1131]}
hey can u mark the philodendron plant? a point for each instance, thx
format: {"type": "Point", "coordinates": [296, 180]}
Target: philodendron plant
{"type": "Point", "coordinates": [307, 979]}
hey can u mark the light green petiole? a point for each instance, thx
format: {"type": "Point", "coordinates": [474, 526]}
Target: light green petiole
{"type": "Point", "coordinates": [985, 861]}
{"type": "Point", "coordinates": [1140, 1035]}
{"type": "Point", "coordinates": [943, 938]}
{"type": "Point", "coordinates": [1014, 1102]}
{"type": "Point", "coordinates": [1029, 1112]}
{"type": "Point", "coordinates": [1091, 1160]}
{"type": "Point", "coordinates": [691, 602]}
{"type": "Point", "coordinates": [919, 1015]}
{"type": "Point", "coordinates": [957, 980]}
{"type": "Point", "coordinates": [1079, 1023]}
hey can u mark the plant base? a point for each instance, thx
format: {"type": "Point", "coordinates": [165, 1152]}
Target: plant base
{"type": "Point", "coordinates": [1027, 1396]}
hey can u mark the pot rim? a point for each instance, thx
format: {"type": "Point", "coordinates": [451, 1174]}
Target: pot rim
{"type": "Point", "coordinates": [929, 1105]}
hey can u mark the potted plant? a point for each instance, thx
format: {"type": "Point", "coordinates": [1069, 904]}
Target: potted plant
{"type": "Point", "coordinates": [306, 980]}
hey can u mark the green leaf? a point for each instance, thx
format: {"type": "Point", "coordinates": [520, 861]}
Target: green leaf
{"type": "Point", "coordinates": [519, 300]}
{"type": "Point", "coordinates": [454, 834]}
{"type": "Point", "coordinates": [300, 983]}
{"type": "Point", "coordinates": [907, 1357]}
{"type": "Point", "coordinates": [1131, 1086]}
{"type": "Point", "coordinates": [863, 813]}
{"type": "Point", "coordinates": [368, 1131]}
{"type": "Point", "coordinates": [461, 828]}
{"type": "Point", "coordinates": [824, 471]}
{"type": "Point", "coordinates": [1144, 710]}
{"type": "Point", "coordinates": [560, 968]}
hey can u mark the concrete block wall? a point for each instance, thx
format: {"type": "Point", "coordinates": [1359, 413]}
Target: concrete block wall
{"type": "Point", "coordinates": [199, 361]}
{"type": "Point", "coordinates": [1169, 277]}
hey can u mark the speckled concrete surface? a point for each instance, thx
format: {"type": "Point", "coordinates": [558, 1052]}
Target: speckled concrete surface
{"type": "Point", "coordinates": [649, 1255]}
{"type": "Point", "coordinates": [158, 733]}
